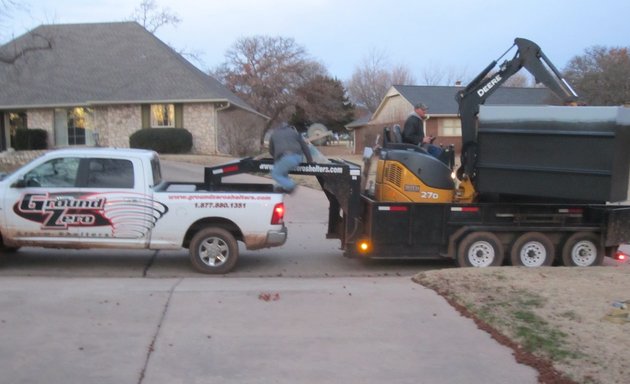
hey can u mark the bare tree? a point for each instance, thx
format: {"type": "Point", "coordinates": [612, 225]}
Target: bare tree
{"type": "Point", "coordinates": [432, 75]}
{"type": "Point", "coordinates": [266, 72]}
{"type": "Point", "coordinates": [371, 80]}
{"type": "Point", "coordinates": [10, 53]}
{"type": "Point", "coordinates": [401, 74]}
{"type": "Point", "coordinates": [7, 10]}
{"type": "Point", "coordinates": [519, 80]}
{"type": "Point", "coordinates": [601, 76]}
{"type": "Point", "coordinates": [152, 18]}
{"type": "Point", "coordinates": [440, 75]}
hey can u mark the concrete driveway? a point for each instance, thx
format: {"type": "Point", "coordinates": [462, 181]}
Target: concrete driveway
{"type": "Point", "coordinates": [241, 330]}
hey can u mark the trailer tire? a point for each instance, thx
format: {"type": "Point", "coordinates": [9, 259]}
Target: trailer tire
{"type": "Point", "coordinates": [213, 250]}
{"type": "Point", "coordinates": [533, 249]}
{"type": "Point", "coordinates": [480, 249]}
{"type": "Point", "coordinates": [582, 249]}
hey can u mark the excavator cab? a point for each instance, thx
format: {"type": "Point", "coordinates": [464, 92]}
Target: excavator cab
{"type": "Point", "coordinates": [408, 173]}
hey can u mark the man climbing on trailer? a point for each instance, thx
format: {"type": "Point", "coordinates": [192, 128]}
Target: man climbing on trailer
{"type": "Point", "coordinates": [286, 146]}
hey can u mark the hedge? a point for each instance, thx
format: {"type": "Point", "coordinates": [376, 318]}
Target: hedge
{"type": "Point", "coordinates": [162, 140]}
{"type": "Point", "coordinates": [27, 139]}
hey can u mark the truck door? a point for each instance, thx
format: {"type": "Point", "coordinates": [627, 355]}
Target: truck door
{"type": "Point", "coordinates": [79, 203]}
{"type": "Point", "coordinates": [128, 206]}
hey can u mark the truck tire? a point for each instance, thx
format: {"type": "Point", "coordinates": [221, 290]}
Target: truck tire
{"type": "Point", "coordinates": [582, 249]}
{"type": "Point", "coordinates": [533, 249]}
{"type": "Point", "coordinates": [6, 249]}
{"type": "Point", "coordinates": [213, 250]}
{"type": "Point", "coordinates": [480, 249]}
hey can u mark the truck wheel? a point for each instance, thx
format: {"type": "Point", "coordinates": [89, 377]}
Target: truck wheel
{"type": "Point", "coordinates": [6, 249]}
{"type": "Point", "coordinates": [533, 249]}
{"type": "Point", "coordinates": [213, 250]}
{"type": "Point", "coordinates": [480, 249]}
{"type": "Point", "coordinates": [582, 249]}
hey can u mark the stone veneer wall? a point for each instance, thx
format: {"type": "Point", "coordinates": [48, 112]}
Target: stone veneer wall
{"type": "Point", "coordinates": [200, 120]}
{"type": "Point", "coordinates": [115, 123]}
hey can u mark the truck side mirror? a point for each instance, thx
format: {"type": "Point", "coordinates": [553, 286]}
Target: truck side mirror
{"type": "Point", "coordinates": [26, 181]}
{"type": "Point", "coordinates": [20, 183]}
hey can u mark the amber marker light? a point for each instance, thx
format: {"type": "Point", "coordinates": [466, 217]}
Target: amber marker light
{"type": "Point", "coordinates": [364, 246]}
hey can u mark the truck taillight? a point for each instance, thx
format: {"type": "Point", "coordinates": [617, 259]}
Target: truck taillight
{"type": "Point", "coordinates": [621, 256]}
{"type": "Point", "coordinates": [278, 214]}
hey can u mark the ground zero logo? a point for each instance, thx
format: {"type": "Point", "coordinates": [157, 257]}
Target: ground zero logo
{"type": "Point", "coordinates": [60, 212]}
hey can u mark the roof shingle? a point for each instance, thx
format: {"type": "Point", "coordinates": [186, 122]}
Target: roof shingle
{"type": "Point", "coordinates": [103, 63]}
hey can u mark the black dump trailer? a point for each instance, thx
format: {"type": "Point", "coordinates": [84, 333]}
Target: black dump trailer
{"type": "Point", "coordinates": [479, 234]}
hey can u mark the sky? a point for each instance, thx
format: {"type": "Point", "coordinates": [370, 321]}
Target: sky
{"type": "Point", "coordinates": [460, 37]}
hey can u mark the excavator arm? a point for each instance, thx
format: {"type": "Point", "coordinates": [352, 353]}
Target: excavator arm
{"type": "Point", "coordinates": [528, 55]}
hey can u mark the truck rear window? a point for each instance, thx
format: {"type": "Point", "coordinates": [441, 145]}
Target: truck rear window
{"type": "Point", "coordinates": [110, 173]}
{"type": "Point", "coordinates": [157, 173]}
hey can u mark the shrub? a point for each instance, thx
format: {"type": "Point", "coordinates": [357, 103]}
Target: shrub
{"type": "Point", "coordinates": [162, 140]}
{"type": "Point", "coordinates": [27, 139]}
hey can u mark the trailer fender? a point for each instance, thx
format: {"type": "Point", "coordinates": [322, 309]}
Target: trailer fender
{"type": "Point", "coordinates": [454, 239]}
{"type": "Point", "coordinates": [618, 227]}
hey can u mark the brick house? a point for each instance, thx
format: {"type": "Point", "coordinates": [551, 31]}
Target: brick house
{"type": "Point", "coordinates": [99, 83]}
{"type": "Point", "coordinates": [444, 121]}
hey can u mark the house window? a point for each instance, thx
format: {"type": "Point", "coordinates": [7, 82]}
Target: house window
{"type": "Point", "coordinates": [449, 127]}
{"type": "Point", "coordinates": [162, 115]}
{"type": "Point", "coordinates": [74, 126]}
{"type": "Point", "coordinates": [17, 120]}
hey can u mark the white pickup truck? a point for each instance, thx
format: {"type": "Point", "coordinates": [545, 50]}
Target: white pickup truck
{"type": "Point", "coordinates": [116, 198]}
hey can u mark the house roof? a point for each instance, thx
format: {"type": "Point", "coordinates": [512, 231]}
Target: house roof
{"type": "Point", "coordinates": [441, 99]}
{"type": "Point", "coordinates": [363, 120]}
{"type": "Point", "coordinates": [102, 63]}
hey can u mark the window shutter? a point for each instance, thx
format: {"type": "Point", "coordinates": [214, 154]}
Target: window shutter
{"type": "Point", "coordinates": [179, 116]}
{"type": "Point", "coordinates": [146, 116]}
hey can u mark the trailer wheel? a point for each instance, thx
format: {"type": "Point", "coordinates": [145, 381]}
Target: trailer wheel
{"type": "Point", "coordinates": [213, 250]}
{"type": "Point", "coordinates": [582, 249]}
{"type": "Point", "coordinates": [480, 249]}
{"type": "Point", "coordinates": [533, 249]}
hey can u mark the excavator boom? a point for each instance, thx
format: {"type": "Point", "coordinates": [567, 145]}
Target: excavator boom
{"type": "Point", "coordinates": [528, 55]}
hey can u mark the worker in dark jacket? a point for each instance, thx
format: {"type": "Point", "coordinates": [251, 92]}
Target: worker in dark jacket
{"type": "Point", "coordinates": [286, 146]}
{"type": "Point", "coordinates": [413, 132]}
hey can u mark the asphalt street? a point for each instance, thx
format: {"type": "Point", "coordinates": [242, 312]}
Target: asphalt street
{"type": "Point", "coordinates": [297, 314]}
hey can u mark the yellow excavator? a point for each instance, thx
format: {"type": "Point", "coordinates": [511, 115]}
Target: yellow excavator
{"type": "Point", "coordinates": [408, 173]}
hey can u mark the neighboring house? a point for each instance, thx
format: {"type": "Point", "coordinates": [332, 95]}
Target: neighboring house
{"type": "Point", "coordinates": [354, 127]}
{"type": "Point", "coordinates": [444, 121]}
{"type": "Point", "coordinates": [100, 83]}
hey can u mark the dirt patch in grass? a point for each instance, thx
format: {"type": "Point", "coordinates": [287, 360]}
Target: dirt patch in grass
{"type": "Point", "coordinates": [555, 319]}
